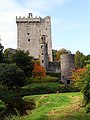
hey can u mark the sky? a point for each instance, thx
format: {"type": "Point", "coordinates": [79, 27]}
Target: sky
{"type": "Point", "coordinates": [70, 22]}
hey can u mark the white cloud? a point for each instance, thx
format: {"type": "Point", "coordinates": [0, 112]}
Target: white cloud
{"type": "Point", "coordinates": [11, 8]}
{"type": "Point", "coordinates": [8, 11]}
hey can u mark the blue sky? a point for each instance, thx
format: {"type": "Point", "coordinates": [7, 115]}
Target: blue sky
{"type": "Point", "coordinates": [70, 20]}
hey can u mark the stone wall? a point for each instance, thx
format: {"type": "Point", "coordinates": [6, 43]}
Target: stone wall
{"type": "Point", "coordinates": [67, 64]}
{"type": "Point", "coordinates": [54, 67]}
{"type": "Point", "coordinates": [29, 30]}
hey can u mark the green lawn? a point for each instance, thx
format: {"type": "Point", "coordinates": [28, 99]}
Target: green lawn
{"type": "Point", "coordinates": [49, 84]}
{"type": "Point", "coordinates": [59, 106]}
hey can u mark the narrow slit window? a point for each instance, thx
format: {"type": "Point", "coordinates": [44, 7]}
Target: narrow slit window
{"type": "Point", "coordinates": [41, 46]}
{"type": "Point", "coordinates": [42, 61]}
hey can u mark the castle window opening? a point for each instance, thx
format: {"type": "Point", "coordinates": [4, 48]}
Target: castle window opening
{"type": "Point", "coordinates": [42, 38]}
{"type": "Point", "coordinates": [42, 54]}
{"type": "Point", "coordinates": [28, 40]}
{"type": "Point", "coordinates": [46, 28]}
{"type": "Point", "coordinates": [42, 61]}
{"type": "Point", "coordinates": [41, 46]}
{"type": "Point", "coordinates": [27, 33]}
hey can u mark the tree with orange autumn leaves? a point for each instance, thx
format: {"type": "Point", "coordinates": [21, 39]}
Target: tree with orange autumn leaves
{"type": "Point", "coordinates": [79, 77]}
{"type": "Point", "coordinates": [38, 71]}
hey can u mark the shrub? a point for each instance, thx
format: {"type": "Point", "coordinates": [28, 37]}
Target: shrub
{"type": "Point", "coordinates": [18, 105]}
{"type": "Point", "coordinates": [2, 107]}
{"type": "Point", "coordinates": [82, 78]}
{"type": "Point", "coordinates": [78, 77]}
{"type": "Point", "coordinates": [88, 108]}
{"type": "Point", "coordinates": [23, 61]}
{"type": "Point", "coordinates": [46, 88]}
{"type": "Point", "coordinates": [54, 74]}
{"type": "Point", "coordinates": [86, 92]}
{"type": "Point", "coordinates": [38, 71]}
{"type": "Point", "coordinates": [41, 80]}
{"type": "Point", "coordinates": [11, 76]}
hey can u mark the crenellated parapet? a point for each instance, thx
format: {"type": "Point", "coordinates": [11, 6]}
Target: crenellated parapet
{"type": "Point", "coordinates": [27, 19]}
{"type": "Point", "coordinates": [30, 18]}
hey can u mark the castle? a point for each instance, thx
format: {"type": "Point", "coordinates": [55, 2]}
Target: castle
{"type": "Point", "coordinates": [34, 35]}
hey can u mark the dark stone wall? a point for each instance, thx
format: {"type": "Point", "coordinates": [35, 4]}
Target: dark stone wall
{"type": "Point", "coordinates": [54, 67]}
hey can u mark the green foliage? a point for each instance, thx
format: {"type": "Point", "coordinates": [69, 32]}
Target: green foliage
{"type": "Point", "coordinates": [82, 78]}
{"type": "Point", "coordinates": [78, 77]}
{"type": "Point", "coordinates": [63, 106]}
{"type": "Point", "coordinates": [11, 76]}
{"type": "Point", "coordinates": [54, 55]}
{"type": "Point", "coordinates": [18, 105]}
{"type": "Point", "coordinates": [60, 52]}
{"type": "Point", "coordinates": [8, 55]}
{"type": "Point", "coordinates": [24, 62]}
{"type": "Point", "coordinates": [80, 59]}
{"type": "Point", "coordinates": [54, 74]}
{"type": "Point", "coordinates": [13, 103]}
{"type": "Point", "coordinates": [47, 88]}
{"type": "Point", "coordinates": [88, 108]}
{"type": "Point", "coordinates": [57, 107]}
{"type": "Point", "coordinates": [41, 80]}
{"type": "Point", "coordinates": [1, 53]}
{"type": "Point", "coordinates": [2, 107]}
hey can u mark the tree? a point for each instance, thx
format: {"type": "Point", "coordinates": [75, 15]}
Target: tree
{"type": "Point", "coordinates": [54, 54]}
{"type": "Point", "coordinates": [38, 71]}
{"type": "Point", "coordinates": [23, 61]}
{"type": "Point", "coordinates": [78, 77]}
{"type": "Point", "coordinates": [80, 59]}
{"type": "Point", "coordinates": [8, 55]}
{"type": "Point", "coordinates": [11, 76]}
{"type": "Point", "coordinates": [1, 53]}
{"type": "Point", "coordinates": [60, 52]}
{"type": "Point", "coordinates": [81, 77]}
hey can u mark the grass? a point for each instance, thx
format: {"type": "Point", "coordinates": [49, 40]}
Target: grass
{"type": "Point", "coordinates": [49, 84]}
{"type": "Point", "coordinates": [59, 106]}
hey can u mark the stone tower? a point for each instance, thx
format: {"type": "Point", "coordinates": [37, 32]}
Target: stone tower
{"type": "Point", "coordinates": [29, 31]}
{"type": "Point", "coordinates": [67, 64]}
{"type": "Point", "coordinates": [43, 52]}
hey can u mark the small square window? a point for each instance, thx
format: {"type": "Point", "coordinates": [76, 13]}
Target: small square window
{"type": "Point", "coordinates": [28, 40]}
{"type": "Point", "coordinates": [27, 33]}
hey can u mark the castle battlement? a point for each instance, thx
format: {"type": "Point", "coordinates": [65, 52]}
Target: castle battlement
{"type": "Point", "coordinates": [30, 18]}
{"type": "Point", "coordinates": [19, 19]}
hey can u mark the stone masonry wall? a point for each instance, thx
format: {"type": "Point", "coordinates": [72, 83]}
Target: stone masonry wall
{"type": "Point", "coordinates": [67, 64]}
{"type": "Point", "coordinates": [29, 31]}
